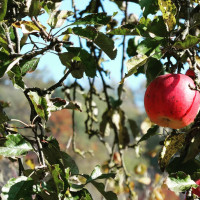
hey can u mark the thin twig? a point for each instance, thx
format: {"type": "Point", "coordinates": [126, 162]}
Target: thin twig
{"type": "Point", "coordinates": [75, 15]}
{"type": "Point", "coordinates": [39, 146]}
{"type": "Point", "coordinates": [123, 43]}
{"type": "Point", "coordinates": [33, 43]}
{"type": "Point", "coordinates": [105, 89]}
{"type": "Point", "coordinates": [21, 167]}
{"type": "Point", "coordinates": [42, 31]}
{"type": "Point", "coordinates": [73, 120]}
{"type": "Point", "coordinates": [17, 120]}
{"type": "Point", "coordinates": [59, 83]}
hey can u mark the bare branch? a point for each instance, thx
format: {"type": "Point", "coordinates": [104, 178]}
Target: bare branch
{"type": "Point", "coordinates": [10, 45]}
{"type": "Point", "coordinates": [59, 83]}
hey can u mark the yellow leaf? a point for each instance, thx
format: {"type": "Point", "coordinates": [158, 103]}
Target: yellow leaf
{"type": "Point", "coordinates": [30, 163]}
{"type": "Point", "coordinates": [171, 145]}
{"type": "Point", "coordinates": [28, 26]}
{"type": "Point", "coordinates": [168, 10]}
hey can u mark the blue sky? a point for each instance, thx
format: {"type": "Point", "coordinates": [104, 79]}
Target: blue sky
{"type": "Point", "coordinates": [52, 61]}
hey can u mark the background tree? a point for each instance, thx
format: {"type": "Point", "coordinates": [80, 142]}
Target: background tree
{"type": "Point", "coordinates": [164, 39]}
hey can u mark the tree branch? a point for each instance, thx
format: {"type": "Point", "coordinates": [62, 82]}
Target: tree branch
{"type": "Point", "coordinates": [10, 46]}
{"type": "Point", "coordinates": [44, 34]}
{"type": "Point", "coordinates": [59, 83]}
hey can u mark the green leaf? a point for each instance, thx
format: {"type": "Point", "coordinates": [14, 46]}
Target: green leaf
{"type": "Point", "coordinates": [154, 69]}
{"type": "Point", "coordinates": [53, 155]}
{"type": "Point", "coordinates": [180, 182]}
{"type": "Point", "coordinates": [58, 17]}
{"type": "Point", "coordinates": [101, 40]}
{"type": "Point", "coordinates": [14, 145]}
{"type": "Point", "coordinates": [46, 190]}
{"type": "Point", "coordinates": [18, 188]}
{"type": "Point", "coordinates": [88, 33]}
{"type": "Point", "coordinates": [69, 162]}
{"type": "Point", "coordinates": [158, 27]}
{"type": "Point", "coordinates": [150, 47]}
{"type": "Point", "coordinates": [106, 44]}
{"type": "Point", "coordinates": [4, 44]}
{"type": "Point", "coordinates": [29, 66]}
{"type": "Point", "coordinates": [16, 76]}
{"type": "Point", "coordinates": [149, 7]}
{"type": "Point", "coordinates": [133, 64]}
{"type": "Point", "coordinates": [57, 177]}
{"type": "Point", "coordinates": [40, 104]}
{"type": "Point", "coordinates": [35, 8]}
{"type": "Point", "coordinates": [168, 9]}
{"type": "Point", "coordinates": [79, 181]}
{"type": "Point", "coordinates": [91, 8]}
{"type": "Point", "coordinates": [80, 59]}
{"type": "Point", "coordinates": [3, 9]}
{"type": "Point", "coordinates": [151, 132]}
{"type": "Point", "coordinates": [189, 42]}
{"type": "Point", "coordinates": [132, 47]}
{"type": "Point", "coordinates": [140, 28]}
{"type": "Point", "coordinates": [71, 61]}
{"type": "Point", "coordinates": [127, 29]}
{"type": "Point", "coordinates": [50, 6]}
{"type": "Point", "coordinates": [82, 194]}
{"type": "Point", "coordinates": [172, 144]}
{"type": "Point", "coordinates": [101, 188]}
{"type": "Point", "coordinates": [95, 19]}
{"type": "Point", "coordinates": [87, 60]}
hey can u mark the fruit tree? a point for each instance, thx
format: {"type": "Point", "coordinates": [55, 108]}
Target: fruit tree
{"type": "Point", "coordinates": [161, 42]}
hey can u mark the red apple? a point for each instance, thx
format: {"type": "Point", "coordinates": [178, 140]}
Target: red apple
{"type": "Point", "coordinates": [197, 190]}
{"type": "Point", "coordinates": [190, 73]}
{"type": "Point", "coordinates": [170, 102]}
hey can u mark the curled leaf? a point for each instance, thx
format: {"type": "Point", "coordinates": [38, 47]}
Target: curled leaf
{"type": "Point", "coordinates": [133, 64]}
{"type": "Point", "coordinates": [172, 144]}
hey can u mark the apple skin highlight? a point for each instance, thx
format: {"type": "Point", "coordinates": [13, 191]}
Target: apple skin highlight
{"type": "Point", "coordinates": [170, 102]}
